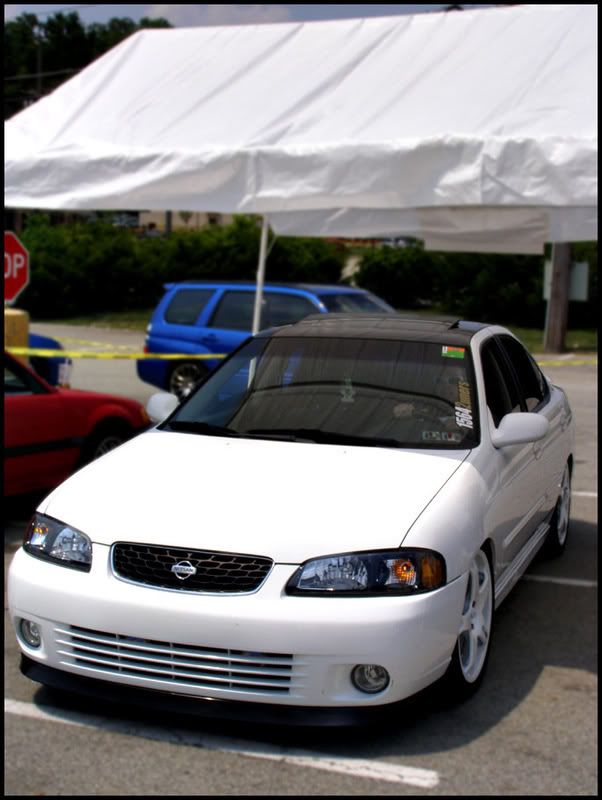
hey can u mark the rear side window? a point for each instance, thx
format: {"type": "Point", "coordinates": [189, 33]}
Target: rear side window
{"type": "Point", "coordinates": [186, 306]}
{"type": "Point", "coordinates": [282, 309]}
{"type": "Point", "coordinates": [235, 311]}
{"type": "Point", "coordinates": [530, 378]}
{"type": "Point", "coordinates": [341, 303]}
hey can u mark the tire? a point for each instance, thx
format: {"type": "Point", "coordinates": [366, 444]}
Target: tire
{"type": "Point", "coordinates": [555, 543]}
{"type": "Point", "coordinates": [103, 439]}
{"type": "Point", "coordinates": [471, 653]}
{"type": "Point", "coordinates": [184, 377]}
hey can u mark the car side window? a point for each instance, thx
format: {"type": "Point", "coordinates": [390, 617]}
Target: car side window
{"type": "Point", "coordinates": [282, 309]}
{"type": "Point", "coordinates": [530, 378]}
{"type": "Point", "coordinates": [235, 311]}
{"type": "Point", "coordinates": [17, 382]}
{"type": "Point", "coordinates": [501, 392]}
{"type": "Point", "coordinates": [186, 306]}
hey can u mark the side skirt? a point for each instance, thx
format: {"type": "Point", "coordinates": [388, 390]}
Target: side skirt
{"type": "Point", "coordinates": [513, 572]}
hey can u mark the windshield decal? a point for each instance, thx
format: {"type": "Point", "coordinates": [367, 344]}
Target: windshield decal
{"type": "Point", "coordinates": [452, 352]}
{"type": "Point", "coordinates": [463, 407]}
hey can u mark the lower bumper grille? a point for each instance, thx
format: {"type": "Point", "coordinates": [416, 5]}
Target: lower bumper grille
{"type": "Point", "coordinates": [202, 668]}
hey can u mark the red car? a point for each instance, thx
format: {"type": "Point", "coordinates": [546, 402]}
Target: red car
{"type": "Point", "coordinates": [51, 432]}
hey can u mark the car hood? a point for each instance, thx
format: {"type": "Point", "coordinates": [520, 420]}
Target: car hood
{"type": "Point", "coordinates": [289, 501]}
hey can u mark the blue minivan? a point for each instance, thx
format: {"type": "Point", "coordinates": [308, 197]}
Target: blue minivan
{"type": "Point", "coordinates": [211, 317]}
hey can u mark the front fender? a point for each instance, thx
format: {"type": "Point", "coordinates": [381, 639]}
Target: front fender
{"type": "Point", "coordinates": [453, 523]}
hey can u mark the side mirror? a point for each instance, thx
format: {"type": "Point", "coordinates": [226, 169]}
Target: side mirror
{"type": "Point", "coordinates": [160, 406]}
{"type": "Point", "coordinates": [519, 428]}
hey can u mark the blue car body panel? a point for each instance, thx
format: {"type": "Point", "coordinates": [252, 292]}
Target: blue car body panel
{"type": "Point", "coordinates": [49, 367]}
{"type": "Point", "coordinates": [195, 329]}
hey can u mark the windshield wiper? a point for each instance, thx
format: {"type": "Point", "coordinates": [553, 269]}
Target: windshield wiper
{"type": "Point", "coordinates": [196, 426]}
{"type": "Point", "coordinates": [324, 437]}
{"type": "Point", "coordinates": [192, 426]}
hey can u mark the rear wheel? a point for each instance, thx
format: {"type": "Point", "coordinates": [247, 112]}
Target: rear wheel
{"type": "Point", "coordinates": [184, 377]}
{"type": "Point", "coordinates": [471, 653]}
{"type": "Point", "coordinates": [555, 542]}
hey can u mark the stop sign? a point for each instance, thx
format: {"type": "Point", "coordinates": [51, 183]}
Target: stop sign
{"type": "Point", "coordinates": [16, 267]}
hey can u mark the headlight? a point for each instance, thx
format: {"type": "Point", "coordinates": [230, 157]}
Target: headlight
{"type": "Point", "coordinates": [54, 541]}
{"type": "Point", "coordinates": [377, 573]}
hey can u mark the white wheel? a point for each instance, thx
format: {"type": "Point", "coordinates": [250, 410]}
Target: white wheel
{"type": "Point", "coordinates": [471, 652]}
{"type": "Point", "coordinates": [477, 615]}
{"type": "Point", "coordinates": [559, 526]}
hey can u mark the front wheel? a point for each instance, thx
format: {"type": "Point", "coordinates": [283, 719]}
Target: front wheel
{"type": "Point", "coordinates": [184, 377]}
{"type": "Point", "coordinates": [471, 653]}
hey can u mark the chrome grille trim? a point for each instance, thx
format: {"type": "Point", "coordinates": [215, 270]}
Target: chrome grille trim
{"type": "Point", "coordinates": [172, 663]}
{"type": "Point", "coordinates": [215, 572]}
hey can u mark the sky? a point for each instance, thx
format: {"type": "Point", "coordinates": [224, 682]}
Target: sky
{"type": "Point", "coordinates": [187, 15]}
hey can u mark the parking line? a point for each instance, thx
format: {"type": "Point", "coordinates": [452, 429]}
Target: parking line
{"type": "Point", "coordinates": [353, 767]}
{"type": "Point", "coordinates": [583, 584]}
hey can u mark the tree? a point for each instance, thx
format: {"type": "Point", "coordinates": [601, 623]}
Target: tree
{"type": "Point", "coordinates": [40, 55]}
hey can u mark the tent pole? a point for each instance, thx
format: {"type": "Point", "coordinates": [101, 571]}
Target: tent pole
{"type": "Point", "coordinates": [260, 274]}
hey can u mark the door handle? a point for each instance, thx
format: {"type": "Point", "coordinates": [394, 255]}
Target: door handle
{"type": "Point", "coordinates": [537, 450]}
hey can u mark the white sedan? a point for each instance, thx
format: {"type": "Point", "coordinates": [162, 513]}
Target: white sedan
{"type": "Point", "coordinates": [322, 529]}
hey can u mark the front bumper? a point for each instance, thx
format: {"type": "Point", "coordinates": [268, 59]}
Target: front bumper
{"type": "Point", "coordinates": [265, 648]}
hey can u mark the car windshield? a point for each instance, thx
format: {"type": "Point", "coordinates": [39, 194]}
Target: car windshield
{"type": "Point", "coordinates": [367, 392]}
{"type": "Point", "coordinates": [346, 302]}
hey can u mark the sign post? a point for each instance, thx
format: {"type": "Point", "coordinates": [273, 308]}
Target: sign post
{"type": "Point", "coordinates": [16, 267]}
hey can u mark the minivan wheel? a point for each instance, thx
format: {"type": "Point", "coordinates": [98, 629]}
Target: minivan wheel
{"type": "Point", "coordinates": [184, 377]}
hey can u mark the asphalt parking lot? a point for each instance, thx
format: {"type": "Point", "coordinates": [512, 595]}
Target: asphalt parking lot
{"type": "Point", "coordinates": [531, 730]}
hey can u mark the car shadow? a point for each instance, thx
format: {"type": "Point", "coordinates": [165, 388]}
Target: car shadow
{"type": "Point", "coordinates": [541, 624]}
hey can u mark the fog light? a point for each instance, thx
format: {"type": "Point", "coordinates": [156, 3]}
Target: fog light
{"type": "Point", "coordinates": [30, 633]}
{"type": "Point", "coordinates": [370, 678]}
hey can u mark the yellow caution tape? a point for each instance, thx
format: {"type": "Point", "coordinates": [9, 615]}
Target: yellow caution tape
{"type": "Point", "coordinates": [29, 351]}
{"type": "Point", "coordinates": [568, 362]}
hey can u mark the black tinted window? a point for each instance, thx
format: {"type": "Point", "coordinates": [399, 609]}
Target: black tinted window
{"type": "Point", "coordinates": [500, 390]}
{"type": "Point", "coordinates": [392, 393]}
{"type": "Point", "coordinates": [282, 309]}
{"type": "Point", "coordinates": [235, 311]}
{"type": "Point", "coordinates": [186, 305]}
{"type": "Point", "coordinates": [340, 303]}
{"type": "Point", "coordinates": [531, 381]}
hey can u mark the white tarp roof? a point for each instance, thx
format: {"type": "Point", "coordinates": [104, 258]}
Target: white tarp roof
{"type": "Point", "coordinates": [472, 129]}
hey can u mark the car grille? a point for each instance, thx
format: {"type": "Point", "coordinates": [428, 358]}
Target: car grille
{"type": "Point", "coordinates": [201, 668]}
{"type": "Point", "coordinates": [200, 570]}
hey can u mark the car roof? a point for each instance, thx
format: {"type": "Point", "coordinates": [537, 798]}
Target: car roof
{"type": "Point", "coordinates": [315, 288]}
{"type": "Point", "coordinates": [382, 326]}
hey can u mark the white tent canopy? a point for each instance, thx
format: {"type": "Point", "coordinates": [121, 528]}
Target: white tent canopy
{"type": "Point", "coordinates": [472, 130]}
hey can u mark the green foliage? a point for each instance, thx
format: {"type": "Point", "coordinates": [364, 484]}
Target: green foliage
{"type": "Point", "coordinates": [95, 267]}
{"type": "Point", "coordinates": [40, 54]}
{"type": "Point", "coordinates": [486, 287]}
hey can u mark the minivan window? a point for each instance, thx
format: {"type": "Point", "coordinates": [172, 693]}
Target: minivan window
{"type": "Point", "coordinates": [186, 306]}
{"type": "Point", "coordinates": [235, 310]}
{"type": "Point", "coordinates": [340, 303]}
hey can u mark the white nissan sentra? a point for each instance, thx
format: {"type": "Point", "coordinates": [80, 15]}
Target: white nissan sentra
{"type": "Point", "coordinates": [323, 528]}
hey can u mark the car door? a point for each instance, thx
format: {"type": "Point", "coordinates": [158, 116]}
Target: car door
{"type": "Point", "coordinates": [231, 321]}
{"type": "Point", "coordinates": [538, 397]}
{"type": "Point", "coordinates": [517, 504]}
{"type": "Point", "coordinates": [39, 450]}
